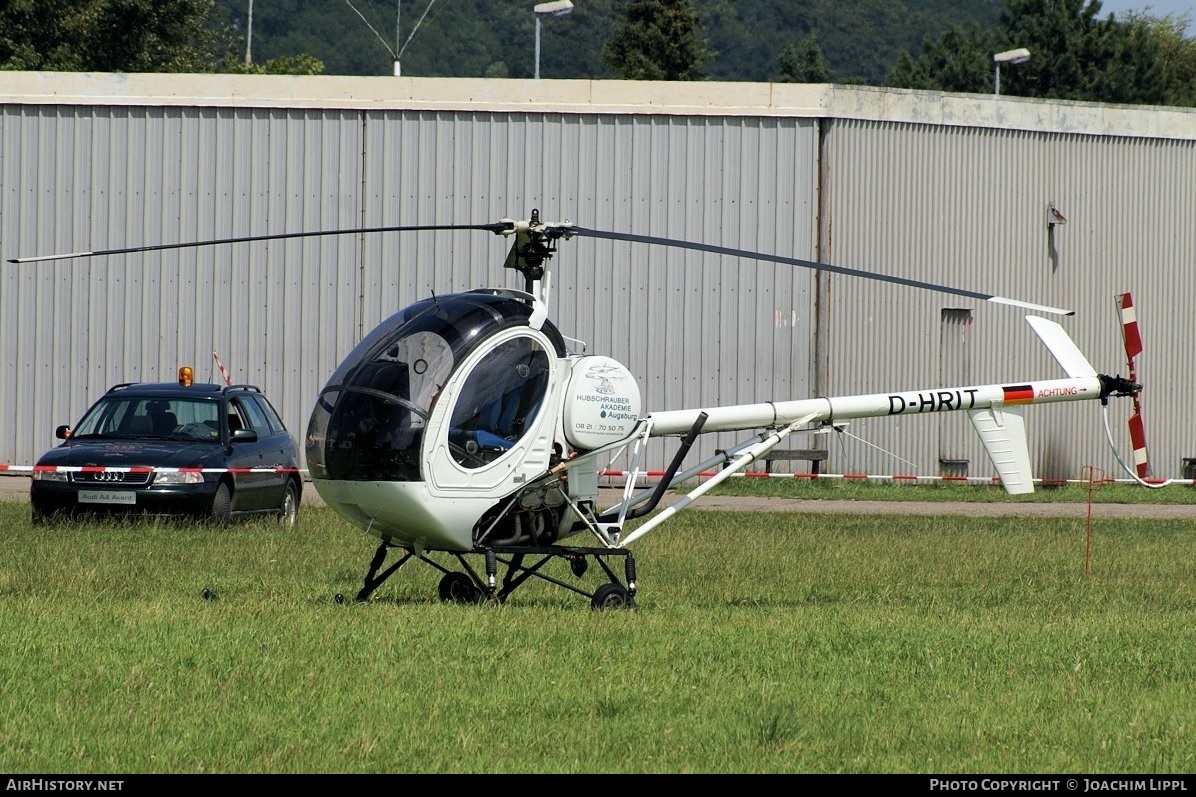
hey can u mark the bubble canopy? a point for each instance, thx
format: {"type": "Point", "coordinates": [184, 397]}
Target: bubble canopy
{"type": "Point", "coordinates": [370, 419]}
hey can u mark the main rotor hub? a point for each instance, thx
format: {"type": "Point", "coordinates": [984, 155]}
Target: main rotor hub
{"type": "Point", "coordinates": [534, 246]}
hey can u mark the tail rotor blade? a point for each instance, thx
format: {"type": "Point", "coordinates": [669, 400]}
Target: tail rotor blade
{"type": "Point", "coordinates": [1138, 441]}
{"type": "Point", "coordinates": [1129, 327]}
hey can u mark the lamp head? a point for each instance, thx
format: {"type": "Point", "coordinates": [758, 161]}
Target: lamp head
{"type": "Point", "coordinates": [558, 8]}
{"type": "Point", "coordinates": [1018, 56]}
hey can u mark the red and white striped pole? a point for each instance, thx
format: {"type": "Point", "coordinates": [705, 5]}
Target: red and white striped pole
{"type": "Point", "coordinates": [228, 380]}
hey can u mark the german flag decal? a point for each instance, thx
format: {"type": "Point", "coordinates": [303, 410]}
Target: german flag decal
{"type": "Point", "coordinates": [1019, 394]}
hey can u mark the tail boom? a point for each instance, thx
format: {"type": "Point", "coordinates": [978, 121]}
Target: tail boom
{"type": "Point", "coordinates": [877, 405]}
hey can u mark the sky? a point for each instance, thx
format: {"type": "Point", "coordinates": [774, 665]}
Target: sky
{"type": "Point", "coordinates": [1154, 8]}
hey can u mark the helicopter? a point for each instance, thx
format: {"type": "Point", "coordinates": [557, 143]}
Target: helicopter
{"type": "Point", "coordinates": [466, 427]}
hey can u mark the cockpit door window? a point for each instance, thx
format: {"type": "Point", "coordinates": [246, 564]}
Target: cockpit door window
{"type": "Point", "coordinates": [498, 402]}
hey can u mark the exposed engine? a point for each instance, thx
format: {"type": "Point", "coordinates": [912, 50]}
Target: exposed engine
{"type": "Point", "coordinates": [532, 517]}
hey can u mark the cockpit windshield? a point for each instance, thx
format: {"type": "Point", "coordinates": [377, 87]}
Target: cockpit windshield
{"type": "Point", "coordinates": [369, 420]}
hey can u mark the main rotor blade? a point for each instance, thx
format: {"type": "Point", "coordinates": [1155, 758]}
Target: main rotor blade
{"type": "Point", "coordinates": [792, 261]}
{"type": "Point", "coordinates": [496, 227]}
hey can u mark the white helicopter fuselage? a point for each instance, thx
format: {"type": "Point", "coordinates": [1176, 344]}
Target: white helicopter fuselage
{"type": "Point", "coordinates": [443, 433]}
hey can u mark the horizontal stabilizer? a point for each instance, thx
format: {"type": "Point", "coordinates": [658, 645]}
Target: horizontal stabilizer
{"type": "Point", "coordinates": [1062, 347]}
{"type": "Point", "coordinates": [1003, 432]}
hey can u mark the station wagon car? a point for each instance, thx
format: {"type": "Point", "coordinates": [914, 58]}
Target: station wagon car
{"type": "Point", "coordinates": [185, 449]}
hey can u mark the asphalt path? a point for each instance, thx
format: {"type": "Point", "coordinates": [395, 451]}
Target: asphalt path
{"type": "Point", "coordinates": [963, 508]}
{"type": "Point", "coordinates": [16, 488]}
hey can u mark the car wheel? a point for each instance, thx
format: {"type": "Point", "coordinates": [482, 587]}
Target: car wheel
{"type": "Point", "coordinates": [222, 505]}
{"type": "Point", "coordinates": [290, 506]}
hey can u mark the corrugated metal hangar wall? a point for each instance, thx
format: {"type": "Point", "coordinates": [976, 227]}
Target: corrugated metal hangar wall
{"type": "Point", "coordinates": [950, 189]}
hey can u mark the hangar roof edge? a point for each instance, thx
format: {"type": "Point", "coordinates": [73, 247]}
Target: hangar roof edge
{"type": "Point", "coordinates": [700, 98]}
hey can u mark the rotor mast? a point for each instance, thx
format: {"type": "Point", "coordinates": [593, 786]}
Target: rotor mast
{"type": "Point", "coordinates": [531, 255]}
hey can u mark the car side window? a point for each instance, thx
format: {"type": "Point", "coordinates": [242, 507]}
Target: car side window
{"type": "Point", "coordinates": [252, 415]}
{"type": "Point", "coordinates": [235, 419]}
{"type": "Point", "coordinates": [271, 417]}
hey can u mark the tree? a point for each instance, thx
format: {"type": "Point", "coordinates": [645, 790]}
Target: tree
{"type": "Point", "coordinates": [110, 36]}
{"type": "Point", "coordinates": [803, 62]}
{"type": "Point", "coordinates": [1177, 53]}
{"type": "Point", "coordinates": [960, 60]}
{"type": "Point", "coordinates": [658, 40]}
{"type": "Point", "coordinates": [282, 65]}
{"type": "Point", "coordinates": [128, 36]}
{"type": "Point", "coordinates": [1074, 55]}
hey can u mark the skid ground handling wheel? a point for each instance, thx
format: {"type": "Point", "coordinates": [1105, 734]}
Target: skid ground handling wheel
{"type": "Point", "coordinates": [520, 563]}
{"type": "Point", "coordinates": [458, 587]}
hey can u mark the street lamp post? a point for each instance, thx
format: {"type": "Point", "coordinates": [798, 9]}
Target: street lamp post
{"type": "Point", "coordinates": [557, 8]}
{"type": "Point", "coordinates": [249, 36]}
{"type": "Point", "coordinates": [1018, 56]}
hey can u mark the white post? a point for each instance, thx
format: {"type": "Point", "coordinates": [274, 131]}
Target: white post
{"type": "Point", "coordinates": [249, 36]}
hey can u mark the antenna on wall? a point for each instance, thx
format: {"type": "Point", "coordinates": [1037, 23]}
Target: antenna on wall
{"type": "Point", "coordinates": [396, 52]}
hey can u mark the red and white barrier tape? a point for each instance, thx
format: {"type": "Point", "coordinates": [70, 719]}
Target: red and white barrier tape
{"type": "Point", "coordinates": [645, 477]}
{"type": "Point", "coordinates": [649, 477]}
{"type": "Point", "coordinates": [24, 470]}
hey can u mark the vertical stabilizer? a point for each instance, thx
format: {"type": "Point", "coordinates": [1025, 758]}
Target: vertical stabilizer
{"type": "Point", "coordinates": [1003, 432]}
{"type": "Point", "coordinates": [1061, 346]}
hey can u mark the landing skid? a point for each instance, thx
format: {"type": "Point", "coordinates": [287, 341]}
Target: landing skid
{"type": "Point", "coordinates": [521, 563]}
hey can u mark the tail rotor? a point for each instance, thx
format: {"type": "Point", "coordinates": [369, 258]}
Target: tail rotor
{"type": "Point", "coordinates": [1132, 339]}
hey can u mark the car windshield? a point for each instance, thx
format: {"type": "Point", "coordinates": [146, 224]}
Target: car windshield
{"type": "Point", "coordinates": [145, 416]}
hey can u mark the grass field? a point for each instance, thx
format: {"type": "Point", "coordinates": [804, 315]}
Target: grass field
{"type": "Point", "coordinates": [762, 643]}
